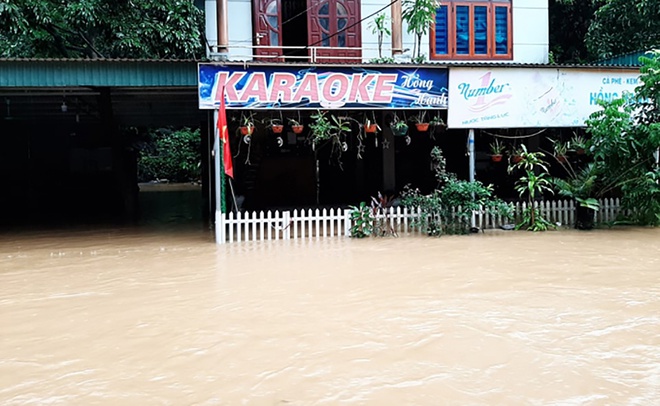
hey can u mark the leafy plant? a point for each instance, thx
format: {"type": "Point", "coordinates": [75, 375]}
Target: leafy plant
{"type": "Point", "coordinates": [533, 183]}
{"type": "Point", "coordinates": [89, 29]}
{"type": "Point", "coordinates": [380, 207]}
{"type": "Point", "coordinates": [497, 147]}
{"type": "Point", "coordinates": [577, 143]}
{"type": "Point", "coordinates": [560, 148]}
{"type": "Point", "coordinates": [362, 220]}
{"type": "Point", "coordinates": [419, 118]}
{"type": "Point", "coordinates": [419, 15]}
{"type": "Point", "coordinates": [170, 154]}
{"type": "Point", "coordinates": [379, 27]}
{"type": "Point", "coordinates": [449, 208]}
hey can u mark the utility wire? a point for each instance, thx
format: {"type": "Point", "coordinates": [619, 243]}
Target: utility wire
{"type": "Point", "coordinates": [353, 25]}
{"type": "Point", "coordinates": [340, 31]}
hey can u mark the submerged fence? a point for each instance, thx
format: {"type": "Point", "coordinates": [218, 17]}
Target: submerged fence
{"type": "Point", "coordinates": [321, 223]}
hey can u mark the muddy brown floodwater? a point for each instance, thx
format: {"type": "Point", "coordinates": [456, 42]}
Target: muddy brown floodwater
{"type": "Point", "coordinates": [144, 317]}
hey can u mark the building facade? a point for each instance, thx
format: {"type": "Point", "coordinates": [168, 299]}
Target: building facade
{"type": "Point", "coordinates": [514, 31]}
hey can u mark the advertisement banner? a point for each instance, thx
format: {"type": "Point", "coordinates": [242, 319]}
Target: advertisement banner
{"type": "Point", "coordinates": [318, 87]}
{"type": "Point", "coordinates": [531, 98]}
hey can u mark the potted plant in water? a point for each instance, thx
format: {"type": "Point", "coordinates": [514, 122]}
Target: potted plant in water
{"type": "Point", "coordinates": [496, 150]}
{"type": "Point", "coordinates": [581, 186]}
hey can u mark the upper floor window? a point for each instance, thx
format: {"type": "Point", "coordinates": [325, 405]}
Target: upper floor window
{"type": "Point", "coordinates": [472, 30]}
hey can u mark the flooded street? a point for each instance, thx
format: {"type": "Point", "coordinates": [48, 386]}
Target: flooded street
{"type": "Point", "coordinates": [155, 317]}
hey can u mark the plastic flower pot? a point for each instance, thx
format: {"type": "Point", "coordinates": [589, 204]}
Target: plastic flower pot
{"type": "Point", "coordinates": [247, 129]}
{"type": "Point", "coordinates": [496, 158]}
{"type": "Point", "coordinates": [277, 128]}
{"type": "Point", "coordinates": [370, 128]}
{"type": "Point", "coordinates": [297, 129]}
{"type": "Point", "coordinates": [422, 127]}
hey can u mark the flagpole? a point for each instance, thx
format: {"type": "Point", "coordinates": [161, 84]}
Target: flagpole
{"type": "Point", "coordinates": [219, 184]}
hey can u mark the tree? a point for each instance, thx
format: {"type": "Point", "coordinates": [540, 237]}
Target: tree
{"type": "Point", "coordinates": [419, 15]}
{"type": "Point", "coordinates": [569, 24]}
{"type": "Point", "coordinates": [622, 26]}
{"type": "Point", "coordinates": [595, 29]}
{"type": "Point", "coordinates": [625, 136]}
{"type": "Point", "coordinates": [151, 29]}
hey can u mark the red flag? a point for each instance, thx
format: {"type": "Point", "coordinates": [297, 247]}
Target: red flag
{"type": "Point", "coordinates": [224, 137]}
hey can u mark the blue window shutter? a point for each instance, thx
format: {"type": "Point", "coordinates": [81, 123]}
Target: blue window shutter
{"type": "Point", "coordinates": [481, 30]}
{"type": "Point", "coordinates": [462, 30]}
{"type": "Point", "coordinates": [441, 31]}
{"type": "Point", "coordinates": [501, 30]}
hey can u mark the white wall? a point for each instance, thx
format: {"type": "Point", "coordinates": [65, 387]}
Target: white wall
{"type": "Point", "coordinates": [240, 28]}
{"type": "Point", "coordinates": [530, 31]}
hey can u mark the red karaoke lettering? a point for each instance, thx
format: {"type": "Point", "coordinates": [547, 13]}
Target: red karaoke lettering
{"type": "Point", "coordinates": [309, 88]}
{"type": "Point", "coordinates": [229, 83]}
{"type": "Point", "coordinates": [282, 88]}
{"type": "Point", "coordinates": [359, 88]}
{"type": "Point", "coordinates": [255, 88]}
{"type": "Point", "coordinates": [340, 90]}
{"type": "Point", "coordinates": [384, 87]}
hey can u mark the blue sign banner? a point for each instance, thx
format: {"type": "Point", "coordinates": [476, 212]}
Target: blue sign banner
{"type": "Point", "coordinates": [319, 87]}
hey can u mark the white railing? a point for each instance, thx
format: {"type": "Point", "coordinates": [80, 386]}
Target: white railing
{"type": "Point", "coordinates": [246, 52]}
{"type": "Point", "coordinates": [322, 223]}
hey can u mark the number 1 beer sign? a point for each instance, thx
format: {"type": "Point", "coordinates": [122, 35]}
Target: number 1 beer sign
{"type": "Point", "coordinates": [322, 88]}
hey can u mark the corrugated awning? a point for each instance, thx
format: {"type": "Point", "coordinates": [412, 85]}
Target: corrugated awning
{"type": "Point", "coordinates": [30, 73]}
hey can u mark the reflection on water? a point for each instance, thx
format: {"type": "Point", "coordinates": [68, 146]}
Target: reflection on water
{"type": "Point", "coordinates": [140, 317]}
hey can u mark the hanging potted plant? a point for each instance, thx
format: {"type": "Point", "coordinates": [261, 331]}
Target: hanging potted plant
{"type": "Point", "coordinates": [420, 121]}
{"type": "Point", "coordinates": [296, 125]}
{"type": "Point", "coordinates": [496, 150]}
{"type": "Point", "coordinates": [515, 155]}
{"type": "Point", "coordinates": [247, 124]}
{"type": "Point", "coordinates": [578, 144]}
{"type": "Point", "coordinates": [370, 126]}
{"type": "Point", "coordinates": [275, 124]}
{"type": "Point", "coordinates": [324, 129]}
{"type": "Point", "coordinates": [560, 149]}
{"type": "Point", "coordinates": [399, 127]}
{"type": "Point", "coordinates": [437, 124]}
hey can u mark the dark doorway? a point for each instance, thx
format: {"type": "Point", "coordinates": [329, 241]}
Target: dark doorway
{"type": "Point", "coordinates": [294, 27]}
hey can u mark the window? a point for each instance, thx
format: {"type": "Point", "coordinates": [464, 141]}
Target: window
{"type": "Point", "coordinates": [472, 30]}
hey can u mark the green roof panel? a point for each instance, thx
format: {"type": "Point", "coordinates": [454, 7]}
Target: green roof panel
{"type": "Point", "coordinates": [86, 72]}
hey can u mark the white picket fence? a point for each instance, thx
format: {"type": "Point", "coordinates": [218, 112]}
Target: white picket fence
{"type": "Point", "coordinates": [322, 223]}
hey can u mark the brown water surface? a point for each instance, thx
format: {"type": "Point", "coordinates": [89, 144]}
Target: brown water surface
{"type": "Point", "coordinates": [144, 317]}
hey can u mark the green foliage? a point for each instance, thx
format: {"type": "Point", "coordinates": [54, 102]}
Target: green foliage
{"type": "Point", "coordinates": [172, 155]}
{"type": "Point", "coordinates": [448, 209]}
{"type": "Point", "coordinates": [569, 23]}
{"type": "Point", "coordinates": [419, 15]}
{"type": "Point", "coordinates": [379, 27]}
{"type": "Point", "coordinates": [621, 26]}
{"type": "Point", "coordinates": [383, 60]}
{"type": "Point", "coordinates": [324, 128]}
{"type": "Point", "coordinates": [532, 220]}
{"type": "Point", "coordinates": [101, 29]}
{"type": "Point", "coordinates": [534, 182]}
{"type": "Point", "coordinates": [362, 220]}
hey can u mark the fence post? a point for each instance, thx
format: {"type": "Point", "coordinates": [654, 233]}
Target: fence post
{"type": "Point", "coordinates": [347, 222]}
